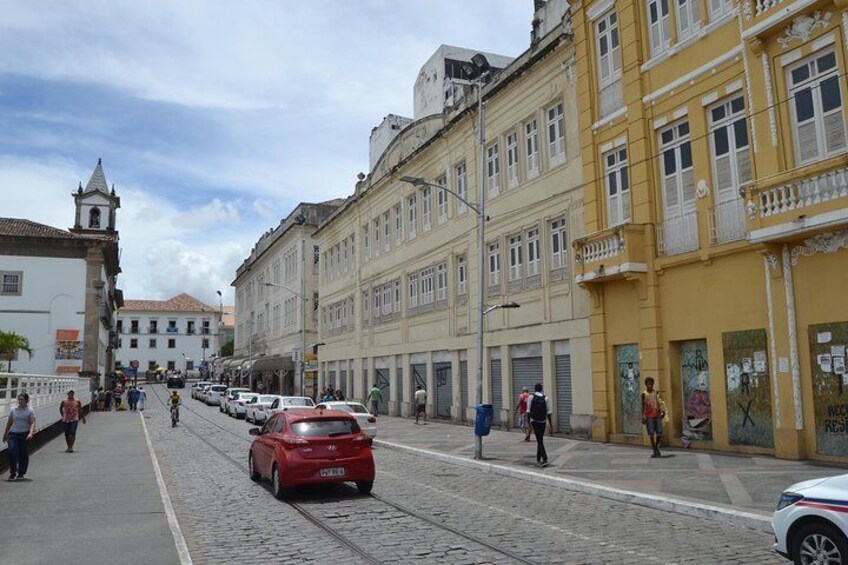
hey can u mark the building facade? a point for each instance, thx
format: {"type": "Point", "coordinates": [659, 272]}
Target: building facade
{"type": "Point", "coordinates": [59, 286]}
{"type": "Point", "coordinates": [398, 262]}
{"type": "Point", "coordinates": [276, 291]}
{"type": "Point", "coordinates": [713, 142]}
{"type": "Point", "coordinates": [178, 334]}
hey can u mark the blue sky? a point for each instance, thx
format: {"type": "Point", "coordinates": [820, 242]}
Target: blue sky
{"type": "Point", "coordinates": [213, 118]}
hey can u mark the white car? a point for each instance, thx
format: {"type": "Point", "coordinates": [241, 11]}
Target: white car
{"type": "Point", "coordinates": [197, 387]}
{"type": "Point", "coordinates": [284, 403]}
{"type": "Point", "coordinates": [214, 394]}
{"type": "Point", "coordinates": [364, 418]}
{"type": "Point", "coordinates": [255, 410]}
{"type": "Point", "coordinates": [201, 392]}
{"type": "Point", "coordinates": [229, 395]}
{"type": "Point", "coordinates": [237, 407]}
{"type": "Point", "coordinates": [811, 522]}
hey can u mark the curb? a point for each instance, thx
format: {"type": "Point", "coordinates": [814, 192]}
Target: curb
{"type": "Point", "coordinates": [669, 504]}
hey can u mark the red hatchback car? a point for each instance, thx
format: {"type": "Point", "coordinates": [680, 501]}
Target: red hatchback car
{"type": "Point", "coordinates": [311, 447]}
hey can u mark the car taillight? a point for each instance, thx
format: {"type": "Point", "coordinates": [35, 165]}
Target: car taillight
{"type": "Point", "coordinates": [293, 442]}
{"type": "Point", "coordinates": [372, 420]}
{"type": "Point", "coordinates": [788, 499]}
{"type": "Point", "coordinates": [363, 438]}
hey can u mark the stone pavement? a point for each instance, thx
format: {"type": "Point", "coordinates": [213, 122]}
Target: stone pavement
{"type": "Point", "coordinates": [737, 489]}
{"type": "Point", "coordinates": [100, 504]}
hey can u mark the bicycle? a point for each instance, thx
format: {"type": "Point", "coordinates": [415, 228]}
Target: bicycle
{"type": "Point", "coordinates": [175, 416]}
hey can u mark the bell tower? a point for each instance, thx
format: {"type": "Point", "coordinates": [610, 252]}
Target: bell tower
{"type": "Point", "coordinates": [96, 205]}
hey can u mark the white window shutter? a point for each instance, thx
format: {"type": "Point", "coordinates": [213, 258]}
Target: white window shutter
{"type": "Point", "coordinates": [834, 131]}
{"type": "Point", "coordinates": [625, 206]}
{"type": "Point", "coordinates": [672, 202]}
{"type": "Point", "coordinates": [615, 207]}
{"type": "Point", "coordinates": [688, 190]}
{"type": "Point", "coordinates": [724, 178]}
{"type": "Point", "coordinates": [808, 148]}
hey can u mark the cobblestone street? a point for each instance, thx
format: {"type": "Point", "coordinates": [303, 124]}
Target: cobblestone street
{"type": "Point", "coordinates": [422, 511]}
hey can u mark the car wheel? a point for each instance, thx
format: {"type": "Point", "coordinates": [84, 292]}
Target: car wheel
{"type": "Point", "coordinates": [819, 543]}
{"type": "Point", "coordinates": [254, 476]}
{"type": "Point", "coordinates": [364, 487]}
{"type": "Point", "coordinates": [277, 483]}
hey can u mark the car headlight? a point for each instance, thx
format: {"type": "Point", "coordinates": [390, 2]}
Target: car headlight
{"type": "Point", "coordinates": [788, 499]}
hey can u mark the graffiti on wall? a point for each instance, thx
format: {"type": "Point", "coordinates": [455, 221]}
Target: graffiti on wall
{"type": "Point", "coordinates": [748, 381]}
{"type": "Point", "coordinates": [828, 344]}
{"type": "Point", "coordinates": [629, 387]}
{"type": "Point", "coordinates": [695, 376]}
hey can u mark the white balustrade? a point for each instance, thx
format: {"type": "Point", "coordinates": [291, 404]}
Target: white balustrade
{"type": "Point", "coordinates": [765, 5]}
{"type": "Point", "coordinates": [46, 392]}
{"type": "Point", "coordinates": [678, 234]}
{"type": "Point", "coordinates": [602, 249]}
{"type": "Point", "coordinates": [806, 192]}
{"type": "Point", "coordinates": [727, 221]}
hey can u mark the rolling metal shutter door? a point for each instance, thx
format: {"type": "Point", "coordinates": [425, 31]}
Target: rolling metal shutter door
{"type": "Point", "coordinates": [343, 383]}
{"type": "Point", "coordinates": [444, 389]}
{"type": "Point", "coordinates": [526, 372]}
{"type": "Point", "coordinates": [563, 392]}
{"type": "Point", "coordinates": [497, 389]}
{"type": "Point", "coordinates": [383, 384]}
{"type": "Point", "coordinates": [463, 387]}
{"type": "Point", "coordinates": [418, 376]}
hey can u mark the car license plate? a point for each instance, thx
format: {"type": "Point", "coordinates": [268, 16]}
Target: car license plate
{"type": "Point", "coordinates": [332, 472]}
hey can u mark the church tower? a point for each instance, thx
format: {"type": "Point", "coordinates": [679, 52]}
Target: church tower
{"type": "Point", "coordinates": [96, 205]}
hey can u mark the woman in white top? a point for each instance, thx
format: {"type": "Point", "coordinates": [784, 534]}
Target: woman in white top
{"type": "Point", "coordinates": [20, 427]}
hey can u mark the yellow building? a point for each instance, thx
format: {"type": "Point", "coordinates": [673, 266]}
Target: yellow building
{"type": "Point", "coordinates": [713, 142]}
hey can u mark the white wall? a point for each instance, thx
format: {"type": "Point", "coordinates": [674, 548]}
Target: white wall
{"type": "Point", "coordinates": [53, 298]}
{"type": "Point", "coordinates": [191, 345]}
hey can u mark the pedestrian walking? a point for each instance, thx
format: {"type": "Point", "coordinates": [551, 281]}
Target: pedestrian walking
{"type": "Point", "coordinates": [521, 408]}
{"type": "Point", "coordinates": [71, 412]}
{"type": "Point", "coordinates": [339, 395]}
{"type": "Point", "coordinates": [539, 411]}
{"type": "Point", "coordinates": [653, 412]}
{"type": "Point", "coordinates": [20, 428]}
{"type": "Point", "coordinates": [92, 407]}
{"type": "Point", "coordinates": [107, 401]}
{"type": "Point", "coordinates": [117, 398]}
{"type": "Point", "coordinates": [420, 403]}
{"type": "Point", "coordinates": [328, 395]}
{"type": "Point", "coordinates": [376, 397]}
{"type": "Point", "coordinates": [142, 398]}
{"type": "Point", "coordinates": [131, 399]}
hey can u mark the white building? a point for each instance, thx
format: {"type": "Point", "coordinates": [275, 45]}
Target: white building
{"type": "Point", "coordinates": [177, 334]}
{"type": "Point", "coordinates": [58, 287]}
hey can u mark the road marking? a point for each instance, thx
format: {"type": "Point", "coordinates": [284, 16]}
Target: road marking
{"type": "Point", "coordinates": [179, 540]}
{"type": "Point", "coordinates": [739, 496]}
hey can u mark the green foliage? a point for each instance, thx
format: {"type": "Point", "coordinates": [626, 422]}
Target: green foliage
{"type": "Point", "coordinates": [227, 349]}
{"type": "Point", "coordinates": [10, 344]}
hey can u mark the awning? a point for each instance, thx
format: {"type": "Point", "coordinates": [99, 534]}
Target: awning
{"type": "Point", "coordinates": [233, 362]}
{"type": "Point", "coordinates": [273, 363]}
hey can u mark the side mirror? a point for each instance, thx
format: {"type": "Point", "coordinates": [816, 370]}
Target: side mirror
{"type": "Point", "coordinates": [255, 432]}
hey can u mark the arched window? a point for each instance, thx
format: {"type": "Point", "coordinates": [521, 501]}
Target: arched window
{"type": "Point", "coordinates": [94, 218]}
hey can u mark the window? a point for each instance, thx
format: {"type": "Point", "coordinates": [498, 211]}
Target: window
{"type": "Point", "coordinates": [492, 170]}
{"type": "Point", "coordinates": [719, 9]}
{"type": "Point", "coordinates": [512, 159]}
{"type": "Point", "coordinates": [189, 365]}
{"type": "Point", "coordinates": [427, 286]}
{"type": "Point", "coordinates": [688, 18]}
{"type": "Point", "coordinates": [378, 301]}
{"type": "Point", "coordinates": [412, 285]}
{"type": "Point", "coordinates": [461, 275]}
{"type": "Point", "coordinates": [190, 327]}
{"type": "Point", "coordinates": [151, 365]}
{"type": "Point", "coordinates": [396, 291]}
{"type": "Point", "coordinates": [676, 163]}
{"type": "Point", "coordinates": [659, 26]}
{"type": "Point", "coordinates": [387, 299]}
{"type": "Point", "coordinates": [412, 215]}
{"type": "Point", "coordinates": [556, 134]}
{"type": "Point", "coordinates": [559, 257]}
{"type": "Point", "coordinates": [387, 230]}
{"type": "Point", "coordinates": [494, 264]}
{"type": "Point", "coordinates": [442, 200]}
{"type": "Point", "coordinates": [442, 282]}
{"type": "Point", "coordinates": [398, 225]}
{"type": "Point", "coordinates": [133, 343]}
{"type": "Point", "coordinates": [134, 326]}
{"type": "Point", "coordinates": [516, 259]}
{"type": "Point", "coordinates": [205, 343]}
{"type": "Point", "coordinates": [11, 283]}
{"type": "Point", "coordinates": [366, 306]}
{"type": "Point", "coordinates": [609, 64]}
{"type": "Point", "coordinates": [172, 343]}
{"type": "Point", "coordinates": [377, 236]}
{"type": "Point", "coordinates": [426, 208]}
{"type": "Point", "coordinates": [94, 218]}
{"type": "Point", "coordinates": [152, 344]}
{"type": "Point", "coordinates": [461, 188]}
{"type": "Point", "coordinates": [817, 115]}
{"type": "Point", "coordinates": [617, 186]}
{"type": "Point", "coordinates": [729, 144]}
{"type": "Point", "coordinates": [119, 326]}
{"type": "Point", "coordinates": [531, 146]}
{"type": "Point", "coordinates": [533, 258]}
{"type": "Point", "coordinates": [277, 318]}
{"type": "Point", "coordinates": [153, 327]}
{"type": "Point", "coordinates": [172, 365]}
{"type": "Point", "coordinates": [366, 247]}
{"type": "Point", "coordinates": [205, 328]}
{"type": "Point", "coordinates": [120, 346]}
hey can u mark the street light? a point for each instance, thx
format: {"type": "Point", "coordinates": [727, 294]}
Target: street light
{"type": "Point", "coordinates": [303, 299]}
{"type": "Point", "coordinates": [478, 70]}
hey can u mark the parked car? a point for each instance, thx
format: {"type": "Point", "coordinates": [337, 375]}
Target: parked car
{"type": "Point", "coordinates": [228, 397]}
{"type": "Point", "coordinates": [811, 522]}
{"type": "Point", "coordinates": [195, 388]}
{"type": "Point", "coordinates": [301, 447]}
{"type": "Point", "coordinates": [214, 394]}
{"type": "Point", "coordinates": [256, 410]}
{"type": "Point", "coordinates": [202, 392]}
{"type": "Point", "coordinates": [175, 382]}
{"type": "Point", "coordinates": [286, 403]}
{"type": "Point", "coordinates": [366, 420]}
{"type": "Point", "coordinates": [238, 406]}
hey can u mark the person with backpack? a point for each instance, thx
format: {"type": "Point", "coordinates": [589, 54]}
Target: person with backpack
{"type": "Point", "coordinates": [539, 410]}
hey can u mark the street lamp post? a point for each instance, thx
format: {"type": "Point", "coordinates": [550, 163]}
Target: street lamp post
{"type": "Point", "coordinates": [301, 365]}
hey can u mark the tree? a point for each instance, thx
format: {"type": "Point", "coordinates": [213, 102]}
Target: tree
{"type": "Point", "coordinates": [227, 349]}
{"type": "Point", "coordinates": [10, 344]}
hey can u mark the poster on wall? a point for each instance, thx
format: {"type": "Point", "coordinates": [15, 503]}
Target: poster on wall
{"type": "Point", "coordinates": [629, 388]}
{"type": "Point", "coordinates": [695, 376]}
{"type": "Point", "coordinates": [749, 413]}
{"type": "Point", "coordinates": [830, 387]}
{"type": "Point", "coordinates": [68, 345]}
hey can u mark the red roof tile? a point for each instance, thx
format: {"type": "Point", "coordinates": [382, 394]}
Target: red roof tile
{"type": "Point", "coordinates": [180, 303]}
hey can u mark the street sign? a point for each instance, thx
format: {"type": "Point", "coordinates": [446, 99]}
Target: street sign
{"type": "Point", "coordinates": [310, 367]}
{"type": "Point", "coordinates": [134, 364]}
{"type": "Point", "coordinates": [295, 355]}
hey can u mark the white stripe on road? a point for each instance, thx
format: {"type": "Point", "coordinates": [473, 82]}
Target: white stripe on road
{"type": "Point", "coordinates": [179, 540]}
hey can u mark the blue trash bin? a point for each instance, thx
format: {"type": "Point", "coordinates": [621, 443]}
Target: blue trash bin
{"type": "Point", "coordinates": [483, 422]}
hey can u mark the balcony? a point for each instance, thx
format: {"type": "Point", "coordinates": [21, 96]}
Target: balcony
{"type": "Point", "coordinates": [798, 202]}
{"type": "Point", "coordinates": [761, 17]}
{"type": "Point", "coordinates": [727, 222]}
{"type": "Point", "coordinates": [678, 234]}
{"type": "Point", "coordinates": [611, 253]}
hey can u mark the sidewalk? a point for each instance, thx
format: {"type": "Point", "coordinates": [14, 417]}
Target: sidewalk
{"type": "Point", "coordinates": [100, 504]}
{"type": "Point", "coordinates": [737, 489]}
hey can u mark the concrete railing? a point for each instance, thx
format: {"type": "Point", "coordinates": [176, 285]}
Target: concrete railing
{"type": "Point", "coordinates": [46, 392]}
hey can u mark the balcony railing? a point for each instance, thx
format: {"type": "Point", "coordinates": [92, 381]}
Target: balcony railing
{"type": "Point", "coordinates": [803, 193]}
{"type": "Point", "coordinates": [678, 235]}
{"type": "Point", "coordinates": [727, 221]}
{"type": "Point", "coordinates": [610, 253]}
{"type": "Point", "coordinates": [762, 6]}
